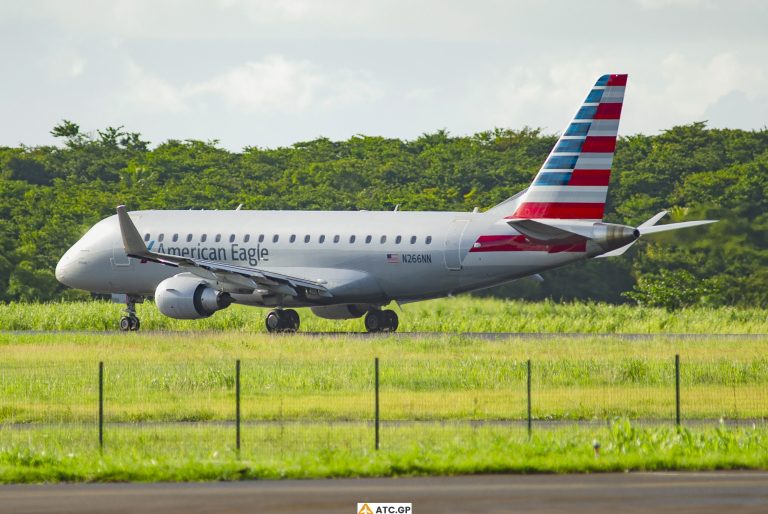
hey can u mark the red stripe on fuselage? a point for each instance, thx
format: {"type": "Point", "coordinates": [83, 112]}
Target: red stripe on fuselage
{"type": "Point", "coordinates": [560, 210]}
{"type": "Point", "coordinates": [590, 178]}
{"type": "Point", "coordinates": [599, 144]}
{"type": "Point", "coordinates": [520, 243]}
{"type": "Point", "coordinates": [608, 112]}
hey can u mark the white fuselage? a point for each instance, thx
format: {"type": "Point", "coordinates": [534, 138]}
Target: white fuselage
{"type": "Point", "coordinates": [360, 256]}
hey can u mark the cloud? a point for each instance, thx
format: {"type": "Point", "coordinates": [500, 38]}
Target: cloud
{"type": "Point", "coordinates": [272, 84]}
{"type": "Point", "coordinates": [147, 91]}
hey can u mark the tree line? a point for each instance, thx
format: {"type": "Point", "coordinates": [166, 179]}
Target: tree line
{"type": "Point", "coordinates": [50, 195]}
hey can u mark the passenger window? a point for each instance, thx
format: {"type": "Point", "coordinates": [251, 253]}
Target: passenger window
{"type": "Point", "coordinates": [351, 239]}
{"type": "Point", "coordinates": [428, 240]}
{"type": "Point", "coordinates": [383, 239]}
{"type": "Point", "coordinates": [203, 238]}
{"type": "Point", "coordinates": [368, 239]}
{"type": "Point", "coordinates": [232, 238]}
{"type": "Point", "coordinates": [413, 239]}
{"type": "Point", "coordinates": [189, 238]}
{"type": "Point", "coordinates": [398, 239]}
{"type": "Point", "coordinates": [175, 237]}
{"type": "Point", "coordinates": [146, 237]}
{"type": "Point", "coordinates": [306, 238]}
{"type": "Point", "coordinates": [218, 237]}
{"type": "Point", "coordinates": [261, 238]}
{"type": "Point", "coordinates": [160, 237]}
{"type": "Point", "coordinates": [322, 239]}
{"type": "Point", "coordinates": [247, 238]}
{"type": "Point", "coordinates": [293, 238]}
{"type": "Point", "coordinates": [275, 238]}
{"type": "Point", "coordinates": [336, 238]}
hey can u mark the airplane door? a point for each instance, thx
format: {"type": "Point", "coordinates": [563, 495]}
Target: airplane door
{"type": "Point", "coordinates": [119, 260]}
{"type": "Point", "coordinates": [452, 246]}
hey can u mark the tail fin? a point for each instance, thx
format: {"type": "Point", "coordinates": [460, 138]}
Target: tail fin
{"type": "Point", "coordinates": [573, 182]}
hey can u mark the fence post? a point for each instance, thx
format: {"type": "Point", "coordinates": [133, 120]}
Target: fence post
{"type": "Point", "coordinates": [529, 399]}
{"type": "Point", "coordinates": [376, 375]}
{"type": "Point", "coordinates": [237, 405]}
{"type": "Point", "coordinates": [677, 389]}
{"type": "Point", "coordinates": [101, 406]}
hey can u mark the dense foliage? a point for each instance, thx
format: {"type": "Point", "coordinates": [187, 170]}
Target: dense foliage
{"type": "Point", "coordinates": [50, 195]}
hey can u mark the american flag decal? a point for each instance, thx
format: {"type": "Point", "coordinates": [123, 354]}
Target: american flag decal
{"type": "Point", "coordinates": [393, 258]}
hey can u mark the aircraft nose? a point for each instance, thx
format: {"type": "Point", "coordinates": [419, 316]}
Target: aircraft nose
{"type": "Point", "coordinates": [64, 269]}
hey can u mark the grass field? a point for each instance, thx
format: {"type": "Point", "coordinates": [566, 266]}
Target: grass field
{"type": "Point", "coordinates": [450, 403]}
{"type": "Point", "coordinates": [454, 315]}
{"type": "Point", "coordinates": [202, 453]}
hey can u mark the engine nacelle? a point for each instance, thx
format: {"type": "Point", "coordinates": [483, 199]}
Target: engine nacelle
{"type": "Point", "coordinates": [342, 311]}
{"type": "Point", "coordinates": [186, 296]}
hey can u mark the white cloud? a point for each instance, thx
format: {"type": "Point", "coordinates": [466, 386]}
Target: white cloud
{"type": "Point", "coordinates": [153, 93]}
{"type": "Point", "coordinates": [273, 84]}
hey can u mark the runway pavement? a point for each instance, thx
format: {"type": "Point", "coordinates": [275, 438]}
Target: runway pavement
{"type": "Point", "coordinates": [715, 492]}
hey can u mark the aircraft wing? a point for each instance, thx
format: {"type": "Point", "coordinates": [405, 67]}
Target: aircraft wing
{"type": "Point", "coordinates": [234, 278]}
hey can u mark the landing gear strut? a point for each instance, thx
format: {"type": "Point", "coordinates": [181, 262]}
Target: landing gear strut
{"type": "Point", "coordinates": [381, 321]}
{"type": "Point", "coordinates": [280, 320]}
{"type": "Point", "coordinates": [130, 322]}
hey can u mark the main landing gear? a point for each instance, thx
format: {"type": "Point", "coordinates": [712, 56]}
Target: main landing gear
{"type": "Point", "coordinates": [381, 321]}
{"type": "Point", "coordinates": [130, 322]}
{"type": "Point", "coordinates": [280, 320]}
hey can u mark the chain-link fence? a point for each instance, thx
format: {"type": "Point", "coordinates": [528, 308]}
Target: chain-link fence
{"type": "Point", "coordinates": [279, 409]}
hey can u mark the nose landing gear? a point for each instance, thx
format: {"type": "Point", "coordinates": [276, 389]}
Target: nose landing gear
{"type": "Point", "coordinates": [130, 322]}
{"type": "Point", "coordinates": [381, 321]}
{"type": "Point", "coordinates": [280, 320]}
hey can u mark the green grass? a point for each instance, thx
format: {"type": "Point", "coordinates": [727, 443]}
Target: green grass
{"type": "Point", "coordinates": [307, 404]}
{"type": "Point", "coordinates": [201, 453]}
{"type": "Point", "coordinates": [462, 314]}
{"type": "Point", "coordinates": [190, 377]}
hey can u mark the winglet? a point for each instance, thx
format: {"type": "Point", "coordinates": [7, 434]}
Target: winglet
{"type": "Point", "coordinates": [132, 242]}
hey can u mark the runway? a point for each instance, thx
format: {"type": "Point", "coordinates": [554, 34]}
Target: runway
{"type": "Point", "coordinates": [715, 492]}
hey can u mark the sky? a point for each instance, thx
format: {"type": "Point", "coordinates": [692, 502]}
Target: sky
{"type": "Point", "coordinates": [270, 73]}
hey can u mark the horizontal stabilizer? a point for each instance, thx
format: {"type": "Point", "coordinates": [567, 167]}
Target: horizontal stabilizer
{"type": "Point", "coordinates": [650, 227]}
{"type": "Point", "coordinates": [672, 226]}
{"type": "Point", "coordinates": [542, 233]}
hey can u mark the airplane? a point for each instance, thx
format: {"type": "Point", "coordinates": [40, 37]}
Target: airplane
{"type": "Point", "coordinates": [351, 264]}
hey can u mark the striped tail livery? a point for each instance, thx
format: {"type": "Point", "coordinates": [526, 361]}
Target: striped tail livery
{"type": "Point", "coordinates": [573, 182]}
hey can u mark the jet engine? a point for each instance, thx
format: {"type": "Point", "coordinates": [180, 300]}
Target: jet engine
{"type": "Point", "coordinates": [186, 296]}
{"type": "Point", "coordinates": [342, 311]}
